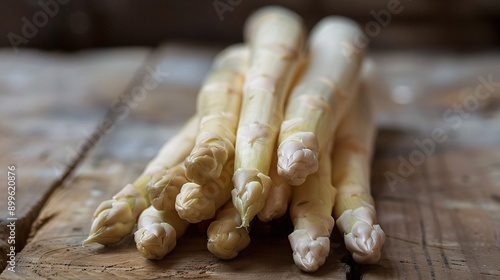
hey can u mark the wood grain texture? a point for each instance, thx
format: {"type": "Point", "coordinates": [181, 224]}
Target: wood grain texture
{"type": "Point", "coordinates": [442, 220]}
{"type": "Point", "coordinates": [47, 110]}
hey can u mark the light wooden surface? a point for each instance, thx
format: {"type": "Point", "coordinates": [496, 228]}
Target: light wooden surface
{"type": "Point", "coordinates": [442, 222]}
{"type": "Point", "coordinates": [49, 104]}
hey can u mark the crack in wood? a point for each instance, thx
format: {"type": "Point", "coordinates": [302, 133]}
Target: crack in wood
{"type": "Point", "coordinates": [40, 223]}
{"type": "Point", "coordinates": [355, 271]}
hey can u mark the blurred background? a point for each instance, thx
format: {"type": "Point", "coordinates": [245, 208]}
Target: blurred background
{"type": "Point", "coordinates": [69, 25]}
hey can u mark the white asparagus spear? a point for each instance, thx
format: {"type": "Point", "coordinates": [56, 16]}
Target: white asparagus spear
{"type": "Point", "coordinates": [320, 98]}
{"type": "Point", "coordinates": [219, 104]}
{"type": "Point", "coordinates": [280, 193]}
{"type": "Point", "coordinates": [311, 213]}
{"type": "Point", "coordinates": [196, 203]}
{"type": "Point", "coordinates": [354, 206]}
{"type": "Point", "coordinates": [164, 187]}
{"type": "Point", "coordinates": [225, 236]}
{"type": "Point", "coordinates": [275, 36]}
{"type": "Point", "coordinates": [115, 218]}
{"type": "Point", "coordinates": [279, 196]}
{"type": "Point", "coordinates": [157, 232]}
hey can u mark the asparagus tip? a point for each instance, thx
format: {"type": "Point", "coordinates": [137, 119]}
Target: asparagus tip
{"type": "Point", "coordinates": [365, 242]}
{"type": "Point", "coordinates": [105, 236]}
{"type": "Point", "coordinates": [155, 242]}
{"type": "Point", "coordinates": [87, 241]}
{"type": "Point", "coordinates": [205, 163]}
{"type": "Point", "coordinates": [309, 254]}
{"type": "Point", "coordinates": [298, 157]}
{"type": "Point", "coordinates": [227, 241]}
{"type": "Point", "coordinates": [193, 205]}
{"type": "Point", "coordinates": [164, 188]}
{"type": "Point", "coordinates": [363, 238]}
{"type": "Point", "coordinates": [250, 192]}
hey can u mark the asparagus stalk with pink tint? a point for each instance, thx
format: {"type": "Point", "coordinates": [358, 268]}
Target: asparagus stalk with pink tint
{"type": "Point", "coordinates": [311, 212]}
{"type": "Point", "coordinates": [218, 105]}
{"type": "Point", "coordinates": [354, 206]}
{"type": "Point", "coordinates": [275, 36]}
{"type": "Point", "coordinates": [320, 98]}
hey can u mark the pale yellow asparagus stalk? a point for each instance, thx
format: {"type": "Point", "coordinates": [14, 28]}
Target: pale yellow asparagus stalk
{"type": "Point", "coordinates": [196, 203]}
{"type": "Point", "coordinates": [157, 232]}
{"type": "Point", "coordinates": [219, 104]}
{"type": "Point", "coordinates": [115, 218]}
{"type": "Point", "coordinates": [164, 187]}
{"type": "Point", "coordinates": [280, 192]}
{"type": "Point", "coordinates": [225, 236]}
{"type": "Point", "coordinates": [320, 98]}
{"type": "Point", "coordinates": [311, 212]}
{"type": "Point", "coordinates": [354, 206]}
{"type": "Point", "coordinates": [275, 36]}
{"type": "Point", "coordinates": [279, 196]}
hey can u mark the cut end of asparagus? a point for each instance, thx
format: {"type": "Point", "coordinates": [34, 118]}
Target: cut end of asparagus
{"type": "Point", "coordinates": [225, 240]}
{"type": "Point", "coordinates": [309, 254]}
{"type": "Point", "coordinates": [298, 157]}
{"type": "Point", "coordinates": [205, 163]}
{"type": "Point", "coordinates": [193, 204]}
{"type": "Point", "coordinates": [156, 241]}
{"type": "Point", "coordinates": [362, 237]}
{"type": "Point", "coordinates": [251, 188]}
{"type": "Point", "coordinates": [264, 14]}
{"type": "Point", "coordinates": [114, 221]}
{"type": "Point", "coordinates": [343, 29]}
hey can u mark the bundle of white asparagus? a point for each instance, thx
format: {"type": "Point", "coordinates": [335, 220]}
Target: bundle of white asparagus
{"type": "Point", "coordinates": [283, 124]}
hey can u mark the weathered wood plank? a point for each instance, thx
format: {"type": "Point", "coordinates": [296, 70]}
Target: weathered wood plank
{"type": "Point", "coordinates": [47, 110]}
{"type": "Point", "coordinates": [442, 221]}
{"type": "Point", "coordinates": [442, 228]}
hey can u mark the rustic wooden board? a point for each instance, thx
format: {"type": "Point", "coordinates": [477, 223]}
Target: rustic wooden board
{"type": "Point", "coordinates": [47, 110]}
{"type": "Point", "coordinates": [441, 222]}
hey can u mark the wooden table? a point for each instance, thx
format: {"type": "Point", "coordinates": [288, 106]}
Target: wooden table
{"type": "Point", "coordinates": [441, 214]}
